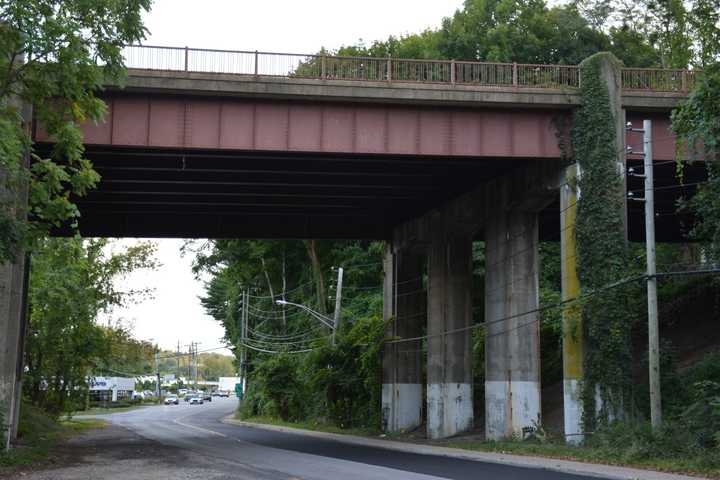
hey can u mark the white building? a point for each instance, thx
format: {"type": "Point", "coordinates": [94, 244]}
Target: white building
{"type": "Point", "coordinates": [111, 389]}
{"type": "Point", "coordinates": [228, 383]}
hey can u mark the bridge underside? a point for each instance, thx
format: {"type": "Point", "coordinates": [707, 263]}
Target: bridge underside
{"type": "Point", "coordinates": [221, 194]}
{"type": "Point", "coordinates": [240, 194]}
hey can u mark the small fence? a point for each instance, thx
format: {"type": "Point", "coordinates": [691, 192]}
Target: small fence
{"type": "Point", "coordinates": [659, 80]}
{"type": "Point", "coordinates": [331, 67]}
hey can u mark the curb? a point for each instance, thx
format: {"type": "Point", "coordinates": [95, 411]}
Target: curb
{"type": "Point", "coordinates": [564, 466]}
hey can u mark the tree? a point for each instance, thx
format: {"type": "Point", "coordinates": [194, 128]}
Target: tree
{"type": "Point", "coordinates": [523, 31]}
{"type": "Point", "coordinates": [71, 282]}
{"type": "Point", "coordinates": [211, 366]}
{"type": "Point", "coordinates": [697, 123]}
{"type": "Point", "coordinates": [55, 55]}
{"type": "Point", "coordinates": [704, 20]}
{"type": "Point", "coordinates": [125, 354]}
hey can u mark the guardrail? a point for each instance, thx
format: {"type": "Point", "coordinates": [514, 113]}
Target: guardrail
{"type": "Point", "coordinates": [333, 67]}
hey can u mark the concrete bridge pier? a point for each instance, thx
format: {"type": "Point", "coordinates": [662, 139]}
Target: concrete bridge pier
{"type": "Point", "coordinates": [512, 343]}
{"type": "Point", "coordinates": [449, 367]}
{"type": "Point", "coordinates": [404, 307]}
{"type": "Point", "coordinates": [12, 334]}
{"type": "Point", "coordinates": [14, 277]}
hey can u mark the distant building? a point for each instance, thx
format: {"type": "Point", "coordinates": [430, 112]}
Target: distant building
{"type": "Point", "coordinates": [228, 383]}
{"type": "Point", "coordinates": [110, 389]}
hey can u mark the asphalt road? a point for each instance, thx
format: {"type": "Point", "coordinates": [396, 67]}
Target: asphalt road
{"type": "Point", "coordinates": [264, 454]}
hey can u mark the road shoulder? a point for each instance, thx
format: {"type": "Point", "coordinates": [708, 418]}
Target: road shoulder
{"type": "Point", "coordinates": [558, 465]}
{"type": "Point", "coordinates": [116, 453]}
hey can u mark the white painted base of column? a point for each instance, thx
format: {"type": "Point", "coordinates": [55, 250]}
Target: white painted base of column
{"type": "Point", "coordinates": [573, 410]}
{"type": "Point", "coordinates": [509, 407]}
{"type": "Point", "coordinates": [450, 409]}
{"type": "Point", "coordinates": [401, 406]}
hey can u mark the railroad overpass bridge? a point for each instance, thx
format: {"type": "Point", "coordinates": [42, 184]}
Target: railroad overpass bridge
{"type": "Point", "coordinates": [428, 155]}
{"type": "Point", "coordinates": [333, 151]}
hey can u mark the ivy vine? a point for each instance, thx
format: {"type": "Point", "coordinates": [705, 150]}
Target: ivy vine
{"type": "Point", "coordinates": [601, 249]}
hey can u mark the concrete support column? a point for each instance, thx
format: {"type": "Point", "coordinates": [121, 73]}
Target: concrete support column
{"type": "Point", "coordinates": [13, 306]}
{"type": "Point", "coordinates": [512, 343]}
{"type": "Point", "coordinates": [449, 383]}
{"type": "Point", "coordinates": [12, 330]}
{"type": "Point", "coordinates": [404, 307]}
{"type": "Point", "coordinates": [571, 315]}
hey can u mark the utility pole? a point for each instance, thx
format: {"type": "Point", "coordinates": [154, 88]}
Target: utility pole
{"type": "Point", "coordinates": [338, 304]}
{"type": "Point", "coordinates": [157, 375]}
{"type": "Point", "coordinates": [177, 359]}
{"type": "Point", "coordinates": [195, 359]}
{"type": "Point", "coordinates": [243, 337]}
{"type": "Point", "coordinates": [653, 328]}
{"type": "Point", "coordinates": [189, 363]}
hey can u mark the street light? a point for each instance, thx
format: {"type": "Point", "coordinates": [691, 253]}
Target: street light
{"type": "Point", "coordinates": [329, 322]}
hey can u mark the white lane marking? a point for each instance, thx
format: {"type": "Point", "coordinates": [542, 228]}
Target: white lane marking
{"type": "Point", "coordinates": [205, 430]}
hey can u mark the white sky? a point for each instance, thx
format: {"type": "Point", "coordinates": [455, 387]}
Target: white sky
{"type": "Point", "coordinates": [293, 26]}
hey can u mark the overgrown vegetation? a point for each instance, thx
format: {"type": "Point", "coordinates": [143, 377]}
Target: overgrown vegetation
{"type": "Point", "coordinates": [54, 57]}
{"type": "Point", "coordinates": [689, 440]}
{"type": "Point", "coordinates": [339, 384]}
{"type": "Point", "coordinates": [72, 282]}
{"type": "Point", "coordinates": [37, 433]}
{"type": "Point", "coordinates": [697, 124]}
{"type": "Point", "coordinates": [602, 250]}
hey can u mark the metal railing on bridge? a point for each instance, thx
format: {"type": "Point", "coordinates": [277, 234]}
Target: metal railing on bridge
{"type": "Point", "coordinates": [394, 70]}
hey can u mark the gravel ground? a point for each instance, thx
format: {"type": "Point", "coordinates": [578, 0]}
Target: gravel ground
{"type": "Point", "coordinates": [115, 453]}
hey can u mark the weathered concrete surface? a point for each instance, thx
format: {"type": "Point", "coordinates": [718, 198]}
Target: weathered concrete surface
{"type": "Point", "coordinates": [404, 307]}
{"type": "Point", "coordinates": [512, 332]}
{"type": "Point", "coordinates": [12, 337]}
{"type": "Point", "coordinates": [571, 315]}
{"type": "Point", "coordinates": [217, 84]}
{"type": "Point", "coordinates": [13, 305]}
{"type": "Point", "coordinates": [449, 370]}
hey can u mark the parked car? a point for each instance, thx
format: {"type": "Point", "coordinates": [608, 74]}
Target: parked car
{"type": "Point", "coordinates": [207, 397]}
{"type": "Point", "coordinates": [172, 400]}
{"type": "Point", "coordinates": [196, 400]}
{"type": "Point", "coordinates": [223, 393]}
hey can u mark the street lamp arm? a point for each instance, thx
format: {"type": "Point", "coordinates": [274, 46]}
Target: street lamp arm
{"type": "Point", "coordinates": [329, 322]}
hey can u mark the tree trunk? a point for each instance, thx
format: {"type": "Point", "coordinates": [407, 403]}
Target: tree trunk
{"type": "Point", "coordinates": [311, 247]}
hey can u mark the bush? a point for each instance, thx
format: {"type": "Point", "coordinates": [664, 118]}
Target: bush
{"type": "Point", "coordinates": [276, 389]}
{"type": "Point", "coordinates": [677, 441]}
{"type": "Point", "coordinates": [34, 421]}
{"type": "Point", "coordinates": [349, 375]}
{"type": "Point", "coordinates": [338, 384]}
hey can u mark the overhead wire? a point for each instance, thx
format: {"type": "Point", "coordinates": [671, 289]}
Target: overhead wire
{"type": "Point", "coordinates": [502, 261]}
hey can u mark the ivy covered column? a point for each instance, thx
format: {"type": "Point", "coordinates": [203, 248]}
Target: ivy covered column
{"type": "Point", "coordinates": [600, 234]}
{"type": "Point", "coordinates": [404, 309]}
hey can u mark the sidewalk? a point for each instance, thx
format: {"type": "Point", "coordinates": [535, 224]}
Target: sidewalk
{"type": "Point", "coordinates": [565, 466]}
